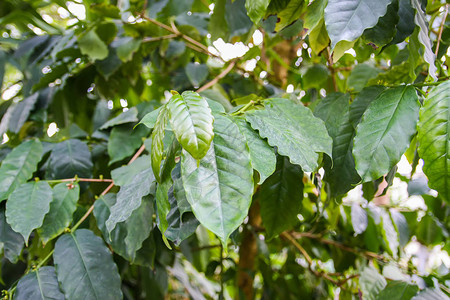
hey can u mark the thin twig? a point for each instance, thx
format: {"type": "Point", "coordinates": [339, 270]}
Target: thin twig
{"type": "Point", "coordinates": [159, 38]}
{"type": "Point", "coordinates": [217, 78]}
{"type": "Point", "coordinates": [441, 29]}
{"type": "Point", "coordinates": [76, 179]}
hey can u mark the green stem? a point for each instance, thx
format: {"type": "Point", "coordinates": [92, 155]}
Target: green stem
{"type": "Point", "coordinates": [243, 108]}
{"type": "Point", "coordinates": [45, 259]}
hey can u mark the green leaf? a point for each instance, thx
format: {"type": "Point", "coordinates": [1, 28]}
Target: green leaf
{"type": "Point", "coordinates": [124, 175]}
{"type": "Point", "coordinates": [149, 119]}
{"type": "Point", "coordinates": [405, 25]}
{"type": "Point", "coordinates": [218, 26]}
{"type": "Point", "coordinates": [11, 240]}
{"type": "Point", "coordinates": [371, 283]}
{"type": "Point", "coordinates": [382, 33]}
{"type": "Point", "coordinates": [129, 116]}
{"type": "Point", "coordinates": [390, 235]}
{"type": "Point", "coordinates": [359, 218]}
{"type": "Point", "coordinates": [256, 9]}
{"type": "Point", "coordinates": [196, 73]}
{"type": "Point", "coordinates": [27, 207]}
{"type": "Point", "coordinates": [69, 158]}
{"type": "Point", "coordinates": [314, 13]}
{"type": "Point", "coordinates": [281, 197]}
{"type": "Point", "coordinates": [347, 20]}
{"type": "Point", "coordinates": [192, 122]}
{"type": "Point", "coordinates": [315, 76]}
{"type": "Point", "coordinates": [401, 225]}
{"type": "Point", "coordinates": [434, 137]}
{"type": "Point", "coordinates": [62, 207]}
{"type": "Point", "coordinates": [91, 45]}
{"type": "Point", "coordinates": [123, 141]}
{"type": "Point", "coordinates": [294, 130]}
{"type": "Point", "coordinates": [262, 155]}
{"type": "Point", "coordinates": [398, 290]}
{"type": "Point", "coordinates": [85, 267]}
{"type": "Point", "coordinates": [431, 294]}
{"type": "Point", "coordinates": [39, 284]}
{"type": "Point", "coordinates": [157, 141]}
{"type": "Point", "coordinates": [17, 114]}
{"type": "Point", "coordinates": [289, 14]}
{"type": "Point", "coordinates": [424, 39]}
{"type": "Point", "coordinates": [340, 171]}
{"type": "Point", "coordinates": [318, 37]}
{"type": "Point", "coordinates": [360, 76]}
{"type": "Point", "coordinates": [221, 187]}
{"type": "Point", "coordinates": [236, 17]}
{"type": "Point", "coordinates": [130, 197]}
{"type": "Point", "coordinates": [429, 231]}
{"type": "Point", "coordinates": [18, 166]}
{"type": "Point", "coordinates": [385, 131]}
{"type": "Point", "coordinates": [362, 101]}
{"type": "Point", "coordinates": [127, 47]}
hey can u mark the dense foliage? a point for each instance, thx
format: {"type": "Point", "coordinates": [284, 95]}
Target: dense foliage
{"type": "Point", "coordinates": [143, 159]}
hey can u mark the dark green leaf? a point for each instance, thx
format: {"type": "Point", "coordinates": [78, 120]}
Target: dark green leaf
{"type": "Point", "coordinates": [294, 130]}
{"type": "Point", "coordinates": [220, 188]}
{"type": "Point", "coordinates": [18, 166]}
{"type": "Point", "coordinates": [17, 114]}
{"type": "Point", "coordinates": [192, 122]}
{"type": "Point", "coordinates": [130, 116]}
{"type": "Point", "coordinates": [385, 132]}
{"type": "Point", "coordinates": [127, 47]}
{"type": "Point", "coordinates": [398, 290]}
{"type": "Point", "coordinates": [157, 141]}
{"type": "Point", "coordinates": [434, 138]}
{"type": "Point", "coordinates": [69, 158]}
{"type": "Point", "coordinates": [347, 20]}
{"type": "Point", "coordinates": [289, 14]}
{"type": "Point", "coordinates": [62, 207]}
{"type": "Point", "coordinates": [360, 75]}
{"type": "Point", "coordinates": [12, 241]}
{"type": "Point", "coordinates": [39, 284]}
{"type": "Point", "coordinates": [281, 197]}
{"type": "Point", "coordinates": [405, 25]}
{"type": "Point", "coordinates": [85, 267]}
{"type": "Point", "coordinates": [362, 101]}
{"type": "Point", "coordinates": [91, 45]}
{"type": "Point", "coordinates": [382, 33]}
{"type": "Point", "coordinates": [123, 141]}
{"type": "Point", "coordinates": [236, 17]}
{"type": "Point", "coordinates": [196, 73]}
{"type": "Point", "coordinates": [27, 207]}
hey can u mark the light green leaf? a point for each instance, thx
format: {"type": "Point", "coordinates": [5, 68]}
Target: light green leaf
{"type": "Point", "coordinates": [421, 21]}
{"type": "Point", "coordinates": [431, 294]}
{"type": "Point", "coordinates": [17, 114]}
{"type": "Point", "coordinates": [91, 45]}
{"type": "Point", "coordinates": [359, 218]}
{"type": "Point", "coordinates": [398, 290]}
{"type": "Point", "coordinates": [85, 267]}
{"type": "Point", "coordinates": [340, 171]}
{"type": "Point", "coordinates": [315, 76]}
{"type": "Point", "coordinates": [196, 73]}
{"type": "Point", "coordinates": [401, 225]}
{"type": "Point", "coordinates": [289, 14]}
{"type": "Point", "coordinates": [221, 187]}
{"type": "Point", "coordinates": [218, 26]}
{"type": "Point", "coordinates": [262, 155]}
{"type": "Point", "coordinates": [157, 141]}
{"type": "Point", "coordinates": [347, 20]}
{"type": "Point", "coordinates": [390, 235]}
{"type": "Point", "coordinates": [434, 138]}
{"type": "Point", "coordinates": [62, 207]}
{"type": "Point", "coordinates": [415, 53]}
{"type": "Point", "coordinates": [318, 37]}
{"type": "Point", "coordinates": [130, 197]}
{"type": "Point", "coordinates": [281, 197]}
{"type": "Point", "coordinates": [128, 46]}
{"type": "Point", "coordinates": [18, 166]}
{"type": "Point", "coordinates": [128, 116]}
{"type": "Point", "coordinates": [149, 119]}
{"type": "Point", "coordinates": [362, 101]}
{"type": "Point", "coordinates": [361, 75]}
{"type": "Point", "coordinates": [124, 141]}
{"type": "Point", "coordinates": [294, 130]}
{"type": "Point", "coordinates": [192, 122]}
{"type": "Point", "coordinates": [371, 283]}
{"type": "Point", "coordinates": [385, 132]}
{"type": "Point", "coordinates": [27, 207]}
{"type": "Point", "coordinates": [124, 175]}
{"type": "Point", "coordinates": [256, 9]}
{"type": "Point", "coordinates": [69, 158]}
{"type": "Point", "coordinates": [39, 284]}
{"type": "Point", "coordinates": [314, 13]}
{"type": "Point", "coordinates": [12, 241]}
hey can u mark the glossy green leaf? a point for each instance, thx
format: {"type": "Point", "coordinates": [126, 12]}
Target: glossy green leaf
{"type": "Point", "coordinates": [69, 158]}
{"type": "Point", "coordinates": [362, 101]}
{"type": "Point", "coordinates": [91, 45]}
{"type": "Point", "coordinates": [62, 207]}
{"type": "Point", "coordinates": [130, 197]}
{"type": "Point", "coordinates": [18, 166]}
{"type": "Point", "coordinates": [359, 218]}
{"type": "Point", "coordinates": [124, 141]}
{"type": "Point", "coordinates": [256, 9]}
{"type": "Point", "coordinates": [220, 188]}
{"type": "Point", "coordinates": [431, 294]}
{"type": "Point", "coordinates": [390, 235]}
{"type": "Point", "coordinates": [27, 207]}
{"type": "Point", "coordinates": [157, 141]}
{"type": "Point", "coordinates": [39, 284]}
{"type": "Point", "coordinates": [398, 290]}
{"type": "Point", "coordinates": [382, 33]}
{"type": "Point", "coordinates": [314, 13]}
{"type": "Point", "coordinates": [85, 267]}
{"type": "Point", "coordinates": [340, 171]}
{"type": "Point", "coordinates": [178, 191]}
{"type": "Point", "coordinates": [294, 130]}
{"type": "Point", "coordinates": [347, 20]}
{"type": "Point", "coordinates": [125, 174]}
{"type": "Point", "coordinates": [289, 14]}
{"type": "Point", "coordinates": [281, 197]}
{"type": "Point", "coordinates": [371, 283]}
{"type": "Point", "coordinates": [405, 25]}
{"type": "Point", "coordinates": [424, 39]}
{"type": "Point", "coordinates": [149, 119]}
{"type": "Point", "coordinates": [318, 37]}
{"type": "Point", "coordinates": [192, 122]}
{"type": "Point", "coordinates": [434, 138]}
{"type": "Point", "coordinates": [262, 155]}
{"type": "Point", "coordinates": [11, 240]}
{"type": "Point", "coordinates": [128, 116]}
{"type": "Point", "coordinates": [385, 131]}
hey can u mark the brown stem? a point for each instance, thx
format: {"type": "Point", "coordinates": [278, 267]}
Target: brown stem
{"type": "Point", "coordinates": [159, 38]}
{"type": "Point", "coordinates": [217, 78]}
{"type": "Point", "coordinates": [441, 29]}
